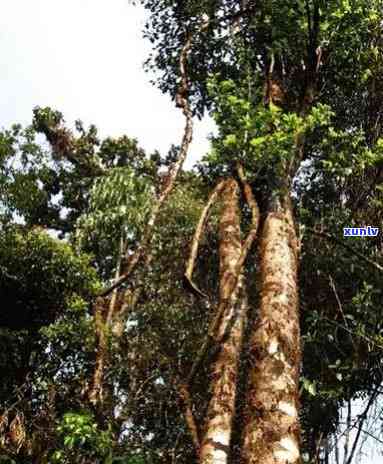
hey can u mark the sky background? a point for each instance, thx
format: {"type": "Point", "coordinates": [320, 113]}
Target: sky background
{"type": "Point", "coordinates": [84, 58]}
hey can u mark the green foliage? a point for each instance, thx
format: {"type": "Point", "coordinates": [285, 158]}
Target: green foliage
{"type": "Point", "coordinates": [264, 139]}
{"type": "Point", "coordinates": [309, 386]}
{"type": "Point", "coordinates": [23, 167]}
{"type": "Point", "coordinates": [6, 460]}
{"type": "Point", "coordinates": [119, 204]}
{"type": "Point", "coordinates": [80, 438]}
{"type": "Point", "coordinates": [39, 276]}
{"type": "Point", "coordinates": [53, 186]}
{"type": "Point", "coordinates": [254, 134]}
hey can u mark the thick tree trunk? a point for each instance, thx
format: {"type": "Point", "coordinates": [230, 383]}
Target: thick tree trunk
{"type": "Point", "coordinates": [272, 432]}
{"type": "Point", "coordinates": [216, 441]}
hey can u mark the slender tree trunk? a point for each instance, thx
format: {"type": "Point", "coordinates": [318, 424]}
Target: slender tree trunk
{"type": "Point", "coordinates": [216, 441]}
{"type": "Point", "coordinates": [102, 323]}
{"type": "Point", "coordinates": [272, 432]}
{"type": "Point", "coordinates": [347, 434]}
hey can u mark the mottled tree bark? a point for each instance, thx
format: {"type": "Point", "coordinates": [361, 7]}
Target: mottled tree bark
{"type": "Point", "coordinates": [216, 441]}
{"type": "Point", "coordinates": [272, 432]}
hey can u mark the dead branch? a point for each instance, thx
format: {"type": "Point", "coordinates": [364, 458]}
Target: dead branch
{"type": "Point", "coordinates": [188, 279]}
{"type": "Point", "coordinates": [183, 103]}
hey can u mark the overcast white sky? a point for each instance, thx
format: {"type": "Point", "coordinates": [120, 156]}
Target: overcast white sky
{"type": "Point", "coordinates": [84, 58]}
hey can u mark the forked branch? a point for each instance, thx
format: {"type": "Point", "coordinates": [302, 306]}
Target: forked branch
{"type": "Point", "coordinates": [233, 280]}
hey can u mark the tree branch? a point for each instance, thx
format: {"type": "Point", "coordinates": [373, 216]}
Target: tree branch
{"type": "Point", "coordinates": [253, 205]}
{"type": "Point", "coordinates": [188, 280]}
{"type": "Point", "coordinates": [340, 307]}
{"type": "Point", "coordinates": [185, 397]}
{"type": "Point", "coordinates": [182, 102]}
{"type": "Point", "coordinates": [361, 420]}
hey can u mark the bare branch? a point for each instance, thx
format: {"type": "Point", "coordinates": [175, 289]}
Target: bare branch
{"type": "Point", "coordinates": [340, 307]}
{"type": "Point", "coordinates": [196, 240]}
{"type": "Point", "coordinates": [347, 439]}
{"type": "Point", "coordinates": [361, 420]}
{"type": "Point", "coordinates": [376, 390]}
{"type": "Point", "coordinates": [183, 103]}
{"type": "Point", "coordinates": [363, 337]}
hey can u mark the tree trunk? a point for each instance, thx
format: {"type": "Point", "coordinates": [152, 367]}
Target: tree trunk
{"type": "Point", "coordinates": [216, 441]}
{"type": "Point", "coordinates": [272, 432]}
{"type": "Point", "coordinates": [102, 325]}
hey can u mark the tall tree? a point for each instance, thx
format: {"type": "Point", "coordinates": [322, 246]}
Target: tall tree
{"type": "Point", "coordinates": [299, 130]}
{"type": "Point", "coordinates": [215, 444]}
{"type": "Point", "coordinates": [272, 432]}
{"type": "Point", "coordinates": [283, 54]}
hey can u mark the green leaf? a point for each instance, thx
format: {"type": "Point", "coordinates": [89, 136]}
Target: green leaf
{"type": "Point", "coordinates": [230, 140]}
{"type": "Point", "coordinates": [258, 141]}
